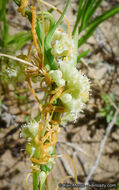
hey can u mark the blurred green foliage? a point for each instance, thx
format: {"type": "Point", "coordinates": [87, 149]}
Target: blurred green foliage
{"type": "Point", "coordinates": [108, 110]}
{"type": "Point", "coordinates": [11, 72]}
{"type": "Point", "coordinates": [87, 21]}
{"type": "Point", "coordinates": [10, 43]}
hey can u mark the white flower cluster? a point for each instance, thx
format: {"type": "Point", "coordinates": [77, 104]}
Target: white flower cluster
{"type": "Point", "coordinates": [56, 75]}
{"type": "Point", "coordinates": [30, 131]}
{"type": "Point", "coordinates": [76, 85]}
{"type": "Point", "coordinates": [63, 45]}
{"type": "Point", "coordinates": [34, 149]}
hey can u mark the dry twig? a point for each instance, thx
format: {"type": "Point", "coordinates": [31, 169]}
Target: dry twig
{"type": "Point", "coordinates": [108, 130]}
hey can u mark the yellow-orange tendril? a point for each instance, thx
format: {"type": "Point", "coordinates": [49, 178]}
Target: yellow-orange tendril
{"type": "Point", "coordinates": [24, 4]}
{"type": "Point", "coordinates": [33, 91]}
{"type": "Point", "coordinates": [33, 11]}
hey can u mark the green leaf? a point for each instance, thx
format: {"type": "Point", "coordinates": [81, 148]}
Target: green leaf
{"type": "Point", "coordinates": [108, 107]}
{"type": "Point", "coordinates": [112, 96]}
{"type": "Point", "coordinates": [3, 4]}
{"type": "Point", "coordinates": [51, 10]}
{"type": "Point", "coordinates": [48, 16]}
{"type": "Point", "coordinates": [117, 120]}
{"type": "Point", "coordinates": [109, 118]}
{"type": "Point", "coordinates": [94, 24]}
{"type": "Point", "coordinates": [102, 112]}
{"type": "Point", "coordinates": [48, 56]}
{"type": "Point", "coordinates": [18, 2]}
{"type": "Point", "coordinates": [91, 10]}
{"type": "Point", "coordinates": [39, 31]}
{"type": "Point", "coordinates": [117, 188]}
{"type": "Point", "coordinates": [19, 40]}
{"type": "Point", "coordinates": [38, 117]}
{"type": "Point", "coordinates": [20, 97]}
{"type": "Point", "coordinates": [83, 54]}
{"type": "Point", "coordinates": [52, 30]}
{"type": "Point", "coordinates": [105, 98]}
{"type": "Point", "coordinates": [5, 33]}
{"type": "Point", "coordinates": [78, 16]}
{"type": "Point", "coordinates": [84, 10]}
{"type": "Point", "coordinates": [26, 119]}
{"type": "Point", "coordinates": [43, 167]}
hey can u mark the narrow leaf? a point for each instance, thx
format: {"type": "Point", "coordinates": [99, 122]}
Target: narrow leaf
{"type": "Point", "coordinates": [78, 16]}
{"type": "Point", "coordinates": [94, 24]}
{"type": "Point", "coordinates": [93, 10]}
{"type": "Point", "coordinates": [51, 32]}
{"type": "Point", "coordinates": [83, 54]}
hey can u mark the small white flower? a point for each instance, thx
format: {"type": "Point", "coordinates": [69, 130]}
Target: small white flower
{"type": "Point", "coordinates": [66, 98]}
{"type": "Point", "coordinates": [62, 45]}
{"type": "Point", "coordinates": [31, 129]}
{"type": "Point", "coordinates": [60, 48]}
{"type": "Point", "coordinates": [12, 72]}
{"type": "Point", "coordinates": [51, 160]}
{"type": "Point", "coordinates": [58, 35]}
{"type": "Point", "coordinates": [56, 75]}
{"type": "Point", "coordinates": [50, 149]}
{"type": "Point", "coordinates": [42, 177]}
{"type": "Point", "coordinates": [60, 82]}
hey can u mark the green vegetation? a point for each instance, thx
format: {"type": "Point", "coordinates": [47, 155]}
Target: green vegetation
{"type": "Point", "coordinates": [108, 110]}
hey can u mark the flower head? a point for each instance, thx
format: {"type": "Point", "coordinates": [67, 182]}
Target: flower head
{"type": "Point", "coordinates": [77, 85]}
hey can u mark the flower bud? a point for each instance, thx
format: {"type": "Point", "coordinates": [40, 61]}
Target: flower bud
{"type": "Point", "coordinates": [55, 74]}
{"type": "Point", "coordinates": [66, 98]}
{"type": "Point", "coordinates": [50, 150]}
{"type": "Point", "coordinates": [42, 177]}
{"type": "Point", "coordinates": [60, 82]}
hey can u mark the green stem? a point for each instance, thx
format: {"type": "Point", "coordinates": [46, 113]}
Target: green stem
{"type": "Point", "coordinates": [35, 181]}
{"type": "Point", "coordinates": [42, 187]}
